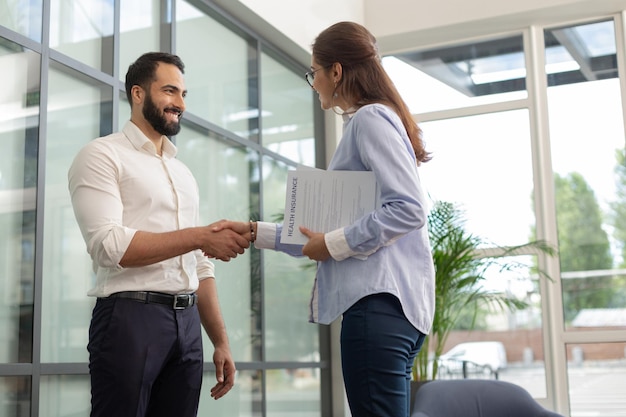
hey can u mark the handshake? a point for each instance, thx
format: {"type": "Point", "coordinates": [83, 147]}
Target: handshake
{"type": "Point", "coordinates": [225, 239]}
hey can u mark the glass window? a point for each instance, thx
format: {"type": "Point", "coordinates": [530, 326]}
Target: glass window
{"type": "Point", "coordinates": [288, 283]}
{"type": "Point", "coordinates": [470, 167]}
{"type": "Point", "coordinates": [16, 396]}
{"type": "Point", "coordinates": [491, 340]}
{"type": "Point", "coordinates": [287, 116]}
{"type": "Point", "coordinates": [462, 75]}
{"type": "Point", "coordinates": [588, 159]}
{"type": "Point", "coordinates": [293, 392]}
{"type": "Point", "coordinates": [23, 17]}
{"type": "Point", "coordinates": [79, 110]}
{"type": "Point", "coordinates": [244, 400]}
{"type": "Point", "coordinates": [83, 30]}
{"type": "Point", "coordinates": [19, 135]}
{"type": "Point", "coordinates": [483, 323]}
{"type": "Point", "coordinates": [65, 395]}
{"type": "Point", "coordinates": [140, 23]}
{"type": "Point", "coordinates": [220, 72]}
{"type": "Point", "coordinates": [580, 53]}
{"type": "Point", "coordinates": [596, 373]}
{"type": "Point", "coordinates": [227, 176]}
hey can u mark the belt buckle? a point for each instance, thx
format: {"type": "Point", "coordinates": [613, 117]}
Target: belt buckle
{"type": "Point", "coordinates": [181, 301]}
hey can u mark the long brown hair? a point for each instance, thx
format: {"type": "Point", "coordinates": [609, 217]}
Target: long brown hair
{"type": "Point", "coordinates": [364, 79]}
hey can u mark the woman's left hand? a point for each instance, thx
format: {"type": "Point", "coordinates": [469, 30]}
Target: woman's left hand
{"type": "Point", "coordinates": [315, 248]}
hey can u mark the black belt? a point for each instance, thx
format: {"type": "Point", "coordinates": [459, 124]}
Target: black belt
{"type": "Point", "coordinates": [177, 301]}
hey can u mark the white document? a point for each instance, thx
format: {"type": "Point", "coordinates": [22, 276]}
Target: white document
{"type": "Point", "coordinates": [323, 201]}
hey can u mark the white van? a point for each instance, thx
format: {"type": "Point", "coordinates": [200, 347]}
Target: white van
{"type": "Point", "coordinates": [490, 356]}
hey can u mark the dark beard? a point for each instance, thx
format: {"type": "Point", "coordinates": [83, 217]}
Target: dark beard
{"type": "Point", "coordinates": [155, 117]}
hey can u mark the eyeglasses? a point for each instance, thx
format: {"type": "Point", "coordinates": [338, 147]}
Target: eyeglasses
{"type": "Point", "coordinates": [310, 76]}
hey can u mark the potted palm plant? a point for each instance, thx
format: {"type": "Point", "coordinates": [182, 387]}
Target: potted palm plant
{"type": "Point", "coordinates": [459, 273]}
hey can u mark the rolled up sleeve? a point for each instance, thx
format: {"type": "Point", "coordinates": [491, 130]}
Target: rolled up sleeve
{"type": "Point", "coordinates": [98, 207]}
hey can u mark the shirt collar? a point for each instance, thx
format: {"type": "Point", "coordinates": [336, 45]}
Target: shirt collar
{"type": "Point", "coordinates": [141, 142]}
{"type": "Point", "coordinates": [347, 115]}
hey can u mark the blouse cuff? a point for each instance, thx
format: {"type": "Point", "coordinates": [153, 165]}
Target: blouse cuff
{"type": "Point", "coordinates": [265, 235]}
{"type": "Point", "coordinates": [338, 245]}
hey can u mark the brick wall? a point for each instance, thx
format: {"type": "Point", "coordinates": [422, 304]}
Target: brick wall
{"type": "Point", "coordinates": [515, 343]}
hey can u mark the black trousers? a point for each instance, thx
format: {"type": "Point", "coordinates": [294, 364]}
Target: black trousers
{"type": "Point", "coordinates": [145, 360]}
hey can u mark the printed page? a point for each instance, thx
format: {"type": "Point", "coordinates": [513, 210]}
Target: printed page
{"type": "Point", "coordinates": [326, 200]}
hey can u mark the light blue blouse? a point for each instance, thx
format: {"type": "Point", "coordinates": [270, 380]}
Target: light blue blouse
{"type": "Point", "coordinates": [385, 251]}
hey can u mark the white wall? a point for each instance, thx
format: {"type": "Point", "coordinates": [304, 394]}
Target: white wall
{"type": "Point", "coordinates": [404, 24]}
{"type": "Point", "coordinates": [407, 24]}
{"type": "Point", "coordinates": [292, 25]}
{"type": "Point", "coordinates": [388, 17]}
{"type": "Point", "coordinates": [302, 20]}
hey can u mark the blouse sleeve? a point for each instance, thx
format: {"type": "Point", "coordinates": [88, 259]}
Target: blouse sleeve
{"type": "Point", "coordinates": [384, 148]}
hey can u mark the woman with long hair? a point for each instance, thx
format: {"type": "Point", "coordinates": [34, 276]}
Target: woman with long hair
{"type": "Point", "coordinates": [376, 273]}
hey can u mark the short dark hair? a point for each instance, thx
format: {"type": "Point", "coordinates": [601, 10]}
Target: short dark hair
{"type": "Point", "coordinates": [142, 71]}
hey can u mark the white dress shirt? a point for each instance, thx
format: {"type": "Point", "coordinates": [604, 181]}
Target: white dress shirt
{"type": "Point", "coordinates": [119, 185]}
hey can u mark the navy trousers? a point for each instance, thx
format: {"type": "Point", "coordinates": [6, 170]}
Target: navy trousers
{"type": "Point", "coordinates": [145, 360]}
{"type": "Point", "coordinates": [378, 346]}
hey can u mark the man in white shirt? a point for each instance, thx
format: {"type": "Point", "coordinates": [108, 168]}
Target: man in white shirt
{"type": "Point", "coordinates": [138, 210]}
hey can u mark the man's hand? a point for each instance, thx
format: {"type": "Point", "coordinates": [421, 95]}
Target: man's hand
{"type": "Point", "coordinates": [243, 228]}
{"type": "Point", "coordinates": [223, 243]}
{"type": "Point", "coordinates": [224, 372]}
{"type": "Point", "coordinates": [315, 248]}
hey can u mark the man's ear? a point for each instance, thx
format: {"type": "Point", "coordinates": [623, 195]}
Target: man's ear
{"type": "Point", "coordinates": [137, 93]}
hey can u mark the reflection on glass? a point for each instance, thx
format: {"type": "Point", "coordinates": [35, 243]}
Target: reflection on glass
{"type": "Point", "coordinates": [227, 177]}
{"type": "Point", "coordinates": [469, 166]}
{"type": "Point", "coordinates": [140, 21]}
{"type": "Point", "coordinates": [596, 374]}
{"type": "Point", "coordinates": [23, 17]}
{"type": "Point", "coordinates": [244, 400]}
{"type": "Point", "coordinates": [16, 396]}
{"type": "Point", "coordinates": [287, 116]}
{"type": "Point", "coordinates": [288, 283]}
{"type": "Point", "coordinates": [83, 30]}
{"type": "Point", "coordinates": [461, 75]}
{"type": "Point", "coordinates": [220, 75]}
{"type": "Point", "coordinates": [65, 395]}
{"type": "Point", "coordinates": [79, 110]}
{"type": "Point", "coordinates": [588, 179]}
{"type": "Point", "coordinates": [19, 127]}
{"type": "Point", "coordinates": [293, 392]}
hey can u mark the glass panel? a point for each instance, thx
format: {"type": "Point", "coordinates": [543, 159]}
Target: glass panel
{"type": "Point", "coordinates": [588, 161]}
{"type": "Point", "coordinates": [19, 135]}
{"type": "Point", "coordinates": [596, 374]}
{"type": "Point", "coordinates": [23, 17]}
{"type": "Point", "coordinates": [581, 53]}
{"type": "Point", "coordinates": [124, 111]}
{"type": "Point", "coordinates": [83, 30]}
{"type": "Point", "coordinates": [16, 396]}
{"type": "Point", "coordinates": [468, 167]}
{"type": "Point", "coordinates": [217, 73]}
{"type": "Point", "coordinates": [228, 181]}
{"type": "Point", "coordinates": [288, 283]}
{"type": "Point", "coordinates": [140, 21]}
{"type": "Point", "coordinates": [287, 116]}
{"type": "Point", "coordinates": [461, 75]}
{"type": "Point", "coordinates": [293, 392]}
{"type": "Point", "coordinates": [79, 110]}
{"type": "Point", "coordinates": [244, 400]}
{"type": "Point", "coordinates": [65, 395]}
{"type": "Point", "coordinates": [491, 341]}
